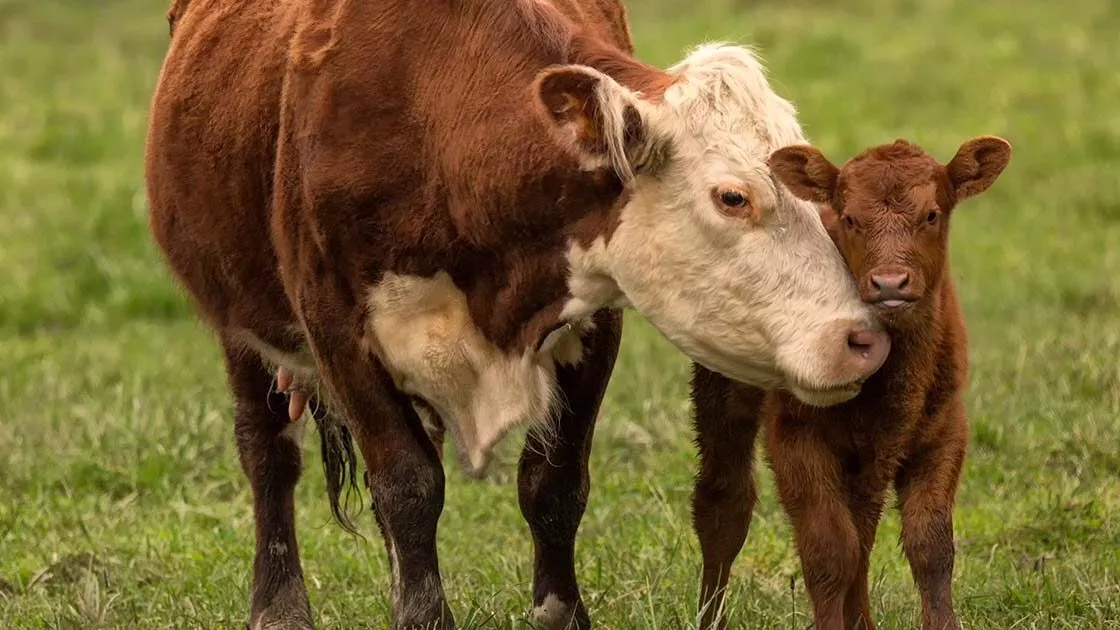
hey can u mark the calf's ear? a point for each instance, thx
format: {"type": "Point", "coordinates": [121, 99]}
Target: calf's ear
{"type": "Point", "coordinates": [977, 165]}
{"type": "Point", "coordinates": [595, 116]}
{"type": "Point", "coordinates": [805, 171]}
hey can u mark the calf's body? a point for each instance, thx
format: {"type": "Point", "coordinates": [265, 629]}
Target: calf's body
{"type": "Point", "coordinates": [889, 210]}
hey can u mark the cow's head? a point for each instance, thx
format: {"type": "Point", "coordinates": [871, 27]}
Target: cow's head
{"type": "Point", "coordinates": [888, 210]}
{"type": "Point", "coordinates": [730, 266]}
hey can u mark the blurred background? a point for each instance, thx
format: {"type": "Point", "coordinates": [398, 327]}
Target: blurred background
{"type": "Point", "coordinates": [121, 500]}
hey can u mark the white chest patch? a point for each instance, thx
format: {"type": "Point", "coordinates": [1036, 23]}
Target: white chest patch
{"type": "Point", "coordinates": [422, 330]}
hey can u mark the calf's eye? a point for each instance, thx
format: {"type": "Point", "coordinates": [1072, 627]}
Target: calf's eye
{"type": "Point", "coordinates": [931, 218]}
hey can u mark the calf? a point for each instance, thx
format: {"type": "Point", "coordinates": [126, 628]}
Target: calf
{"type": "Point", "coordinates": [888, 210]}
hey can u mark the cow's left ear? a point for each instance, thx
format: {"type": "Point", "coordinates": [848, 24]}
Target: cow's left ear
{"type": "Point", "coordinates": [597, 116]}
{"type": "Point", "coordinates": [977, 165]}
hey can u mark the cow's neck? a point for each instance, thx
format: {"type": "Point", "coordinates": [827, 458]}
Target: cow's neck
{"type": "Point", "coordinates": [479, 343]}
{"type": "Point", "coordinates": [479, 339]}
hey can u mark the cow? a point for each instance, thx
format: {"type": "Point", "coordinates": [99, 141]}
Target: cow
{"type": "Point", "coordinates": [888, 210]}
{"type": "Point", "coordinates": [419, 216]}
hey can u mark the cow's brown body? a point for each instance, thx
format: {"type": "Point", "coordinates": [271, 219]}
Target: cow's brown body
{"type": "Point", "coordinates": [907, 429]}
{"type": "Point", "coordinates": [291, 242]}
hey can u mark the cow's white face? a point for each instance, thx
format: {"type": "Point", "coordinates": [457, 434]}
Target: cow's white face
{"type": "Point", "coordinates": [733, 269]}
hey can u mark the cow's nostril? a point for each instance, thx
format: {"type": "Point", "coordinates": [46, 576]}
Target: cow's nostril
{"type": "Point", "coordinates": [862, 342]}
{"type": "Point", "coordinates": [868, 350]}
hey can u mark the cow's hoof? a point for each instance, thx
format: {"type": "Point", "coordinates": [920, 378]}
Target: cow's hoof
{"type": "Point", "coordinates": [287, 620]}
{"type": "Point", "coordinates": [442, 620]}
{"type": "Point", "coordinates": [555, 614]}
{"type": "Point", "coordinates": [289, 610]}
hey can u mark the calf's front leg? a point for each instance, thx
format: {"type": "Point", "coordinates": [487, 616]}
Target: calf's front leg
{"type": "Point", "coordinates": [553, 481]}
{"type": "Point", "coordinates": [810, 485]}
{"type": "Point", "coordinates": [926, 486]}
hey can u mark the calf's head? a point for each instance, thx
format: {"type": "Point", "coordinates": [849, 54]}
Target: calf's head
{"type": "Point", "coordinates": [733, 269]}
{"type": "Point", "coordinates": [888, 210]}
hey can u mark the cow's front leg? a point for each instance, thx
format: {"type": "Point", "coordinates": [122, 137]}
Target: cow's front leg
{"type": "Point", "coordinates": [404, 472]}
{"type": "Point", "coordinates": [553, 481]}
{"type": "Point", "coordinates": [268, 444]}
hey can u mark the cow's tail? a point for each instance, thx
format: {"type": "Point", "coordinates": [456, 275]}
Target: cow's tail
{"type": "Point", "coordinates": [340, 467]}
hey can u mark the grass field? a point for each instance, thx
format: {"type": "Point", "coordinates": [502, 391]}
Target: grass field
{"type": "Point", "coordinates": [121, 501]}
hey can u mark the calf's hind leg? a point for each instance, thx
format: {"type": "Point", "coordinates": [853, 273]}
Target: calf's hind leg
{"type": "Point", "coordinates": [553, 481]}
{"type": "Point", "coordinates": [269, 449]}
{"type": "Point", "coordinates": [723, 497]}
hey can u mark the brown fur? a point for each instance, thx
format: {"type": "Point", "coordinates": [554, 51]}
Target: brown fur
{"type": "Point", "coordinates": [298, 151]}
{"type": "Point", "coordinates": [888, 210]}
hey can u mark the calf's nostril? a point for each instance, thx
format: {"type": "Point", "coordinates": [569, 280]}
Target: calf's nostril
{"type": "Point", "coordinates": [890, 282]}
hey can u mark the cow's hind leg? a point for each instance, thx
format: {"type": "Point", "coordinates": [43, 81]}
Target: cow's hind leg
{"type": "Point", "coordinates": [404, 472]}
{"type": "Point", "coordinates": [553, 480]}
{"type": "Point", "coordinates": [407, 482]}
{"type": "Point", "coordinates": [268, 444]}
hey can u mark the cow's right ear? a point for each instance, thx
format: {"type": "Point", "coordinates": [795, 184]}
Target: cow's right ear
{"type": "Point", "coordinates": [831, 220]}
{"type": "Point", "coordinates": [805, 171]}
{"type": "Point", "coordinates": [595, 115]}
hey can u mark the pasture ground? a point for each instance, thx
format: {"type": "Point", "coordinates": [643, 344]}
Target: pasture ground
{"type": "Point", "coordinates": [121, 501]}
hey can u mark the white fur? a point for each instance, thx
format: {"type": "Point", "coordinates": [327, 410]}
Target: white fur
{"type": "Point", "coordinates": [424, 335]}
{"type": "Point", "coordinates": [552, 613]}
{"type": "Point", "coordinates": [395, 570]}
{"type": "Point", "coordinates": [762, 303]}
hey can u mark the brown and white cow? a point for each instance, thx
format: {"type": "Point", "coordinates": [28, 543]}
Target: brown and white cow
{"type": "Point", "coordinates": [429, 213]}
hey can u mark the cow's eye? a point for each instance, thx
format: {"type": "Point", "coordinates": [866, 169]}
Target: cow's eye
{"type": "Point", "coordinates": [849, 221]}
{"type": "Point", "coordinates": [733, 201]}
{"type": "Point", "coordinates": [732, 198]}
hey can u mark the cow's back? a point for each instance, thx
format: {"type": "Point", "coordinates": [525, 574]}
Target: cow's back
{"type": "Point", "coordinates": [237, 68]}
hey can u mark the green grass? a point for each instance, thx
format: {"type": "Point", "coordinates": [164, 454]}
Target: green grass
{"type": "Point", "coordinates": [121, 501]}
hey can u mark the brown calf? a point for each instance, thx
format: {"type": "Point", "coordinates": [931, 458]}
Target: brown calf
{"type": "Point", "coordinates": [888, 211]}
